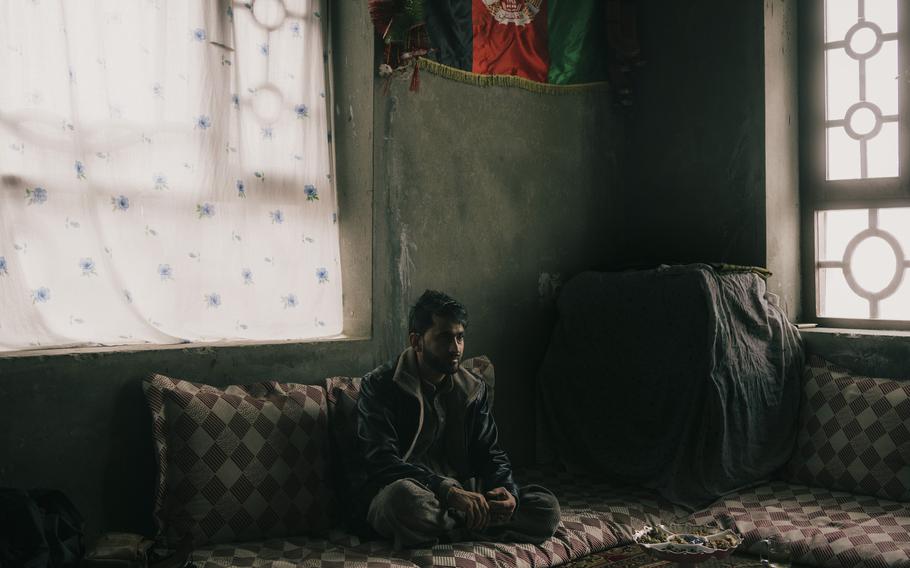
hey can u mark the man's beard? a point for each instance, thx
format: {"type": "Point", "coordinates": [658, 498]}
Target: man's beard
{"type": "Point", "coordinates": [439, 365]}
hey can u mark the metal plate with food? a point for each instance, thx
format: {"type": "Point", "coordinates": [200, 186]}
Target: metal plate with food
{"type": "Point", "coordinates": [687, 545]}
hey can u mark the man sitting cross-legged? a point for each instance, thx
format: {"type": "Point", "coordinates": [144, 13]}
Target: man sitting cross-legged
{"type": "Point", "coordinates": [432, 462]}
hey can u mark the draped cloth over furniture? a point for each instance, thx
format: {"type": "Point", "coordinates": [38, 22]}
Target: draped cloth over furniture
{"type": "Point", "coordinates": [682, 379]}
{"type": "Point", "coordinates": [165, 173]}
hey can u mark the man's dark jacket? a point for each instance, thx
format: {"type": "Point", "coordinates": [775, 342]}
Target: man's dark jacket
{"type": "Point", "coordinates": [390, 416]}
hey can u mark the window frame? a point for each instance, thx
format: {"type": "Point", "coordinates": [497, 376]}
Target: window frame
{"type": "Point", "coordinates": [349, 86]}
{"type": "Point", "coordinates": [817, 193]}
{"type": "Point", "coordinates": [351, 83]}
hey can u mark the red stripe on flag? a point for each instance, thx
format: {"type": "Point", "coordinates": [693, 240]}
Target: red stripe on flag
{"type": "Point", "coordinates": [510, 38]}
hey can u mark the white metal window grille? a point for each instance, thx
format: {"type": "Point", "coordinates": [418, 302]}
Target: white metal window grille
{"type": "Point", "coordinates": [861, 92]}
{"type": "Point", "coordinates": [860, 238]}
{"type": "Point", "coordinates": [862, 263]}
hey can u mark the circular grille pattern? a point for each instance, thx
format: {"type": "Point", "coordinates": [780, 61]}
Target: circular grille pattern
{"type": "Point", "coordinates": [864, 40]}
{"type": "Point", "coordinates": [849, 260]}
{"type": "Point", "coordinates": [863, 120]}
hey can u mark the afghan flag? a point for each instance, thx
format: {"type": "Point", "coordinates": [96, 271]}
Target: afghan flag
{"type": "Point", "coordinates": [560, 42]}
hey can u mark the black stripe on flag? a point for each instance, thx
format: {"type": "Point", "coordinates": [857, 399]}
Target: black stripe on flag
{"type": "Point", "coordinates": [449, 27]}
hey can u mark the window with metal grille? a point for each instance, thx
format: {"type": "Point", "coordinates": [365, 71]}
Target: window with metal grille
{"type": "Point", "coordinates": [855, 193]}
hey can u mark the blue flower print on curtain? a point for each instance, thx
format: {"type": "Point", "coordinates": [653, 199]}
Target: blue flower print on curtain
{"type": "Point", "coordinates": [41, 295]}
{"type": "Point", "coordinates": [3, 266]}
{"type": "Point", "coordinates": [289, 301]}
{"type": "Point", "coordinates": [241, 189]}
{"type": "Point", "coordinates": [165, 272]}
{"type": "Point", "coordinates": [204, 210]}
{"type": "Point", "coordinates": [120, 203]}
{"type": "Point", "coordinates": [310, 191]}
{"type": "Point", "coordinates": [36, 195]}
{"type": "Point", "coordinates": [80, 170]}
{"type": "Point", "coordinates": [87, 265]}
{"type": "Point", "coordinates": [203, 122]}
{"type": "Point", "coordinates": [247, 276]}
{"type": "Point", "coordinates": [213, 300]}
{"type": "Point", "coordinates": [302, 111]}
{"type": "Point", "coordinates": [277, 216]}
{"type": "Point", "coordinates": [322, 275]}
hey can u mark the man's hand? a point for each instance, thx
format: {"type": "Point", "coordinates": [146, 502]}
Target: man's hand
{"type": "Point", "coordinates": [502, 505]}
{"type": "Point", "coordinates": [472, 505]}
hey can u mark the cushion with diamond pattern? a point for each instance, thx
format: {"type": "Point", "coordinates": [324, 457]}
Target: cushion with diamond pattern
{"type": "Point", "coordinates": [854, 433]}
{"type": "Point", "coordinates": [239, 463]}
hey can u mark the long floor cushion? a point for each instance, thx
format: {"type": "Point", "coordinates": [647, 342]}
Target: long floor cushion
{"type": "Point", "coordinates": [825, 528]}
{"type": "Point", "coordinates": [828, 529]}
{"type": "Point", "coordinates": [595, 517]}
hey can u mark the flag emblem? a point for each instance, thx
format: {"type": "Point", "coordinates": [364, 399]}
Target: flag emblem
{"type": "Point", "coordinates": [518, 12]}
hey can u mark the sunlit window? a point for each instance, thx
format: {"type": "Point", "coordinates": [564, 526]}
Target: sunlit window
{"type": "Point", "coordinates": [861, 118]}
{"type": "Point", "coordinates": [862, 263]}
{"type": "Point", "coordinates": [861, 224]}
{"type": "Point", "coordinates": [166, 173]}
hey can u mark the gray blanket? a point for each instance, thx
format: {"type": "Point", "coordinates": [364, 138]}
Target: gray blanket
{"type": "Point", "coordinates": [681, 379]}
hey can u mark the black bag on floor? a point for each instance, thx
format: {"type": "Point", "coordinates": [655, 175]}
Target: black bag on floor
{"type": "Point", "coordinates": [39, 529]}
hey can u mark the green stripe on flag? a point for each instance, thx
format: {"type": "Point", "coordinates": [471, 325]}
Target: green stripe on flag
{"type": "Point", "coordinates": [577, 41]}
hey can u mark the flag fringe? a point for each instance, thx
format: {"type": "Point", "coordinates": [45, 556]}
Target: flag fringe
{"type": "Point", "coordinates": [476, 79]}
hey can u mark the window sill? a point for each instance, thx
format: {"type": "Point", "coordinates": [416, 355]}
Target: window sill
{"type": "Point", "coordinates": [851, 332]}
{"type": "Point", "coordinates": [870, 352]}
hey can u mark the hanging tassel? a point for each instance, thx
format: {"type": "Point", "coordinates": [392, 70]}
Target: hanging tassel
{"type": "Point", "coordinates": [415, 78]}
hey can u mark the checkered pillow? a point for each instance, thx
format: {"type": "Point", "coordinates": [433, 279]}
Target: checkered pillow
{"type": "Point", "coordinates": [854, 433]}
{"type": "Point", "coordinates": [240, 463]}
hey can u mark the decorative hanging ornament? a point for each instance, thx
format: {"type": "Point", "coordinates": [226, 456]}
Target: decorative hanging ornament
{"type": "Point", "coordinates": [401, 25]}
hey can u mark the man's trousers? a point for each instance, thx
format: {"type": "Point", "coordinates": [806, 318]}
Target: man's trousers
{"type": "Point", "coordinates": [409, 514]}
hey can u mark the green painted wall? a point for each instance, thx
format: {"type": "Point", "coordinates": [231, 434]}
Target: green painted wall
{"type": "Point", "coordinates": [696, 134]}
{"type": "Point", "coordinates": [712, 174]}
{"type": "Point", "coordinates": [487, 193]}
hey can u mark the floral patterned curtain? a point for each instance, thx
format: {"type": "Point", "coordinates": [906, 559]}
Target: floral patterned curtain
{"type": "Point", "coordinates": [165, 173]}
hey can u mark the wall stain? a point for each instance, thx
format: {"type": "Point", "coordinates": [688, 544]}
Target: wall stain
{"type": "Point", "coordinates": [405, 267]}
{"type": "Point", "coordinates": [395, 322]}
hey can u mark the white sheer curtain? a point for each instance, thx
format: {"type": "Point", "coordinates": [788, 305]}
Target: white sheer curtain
{"type": "Point", "coordinates": [166, 173]}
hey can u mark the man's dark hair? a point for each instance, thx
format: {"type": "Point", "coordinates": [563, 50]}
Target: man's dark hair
{"type": "Point", "coordinates": [434, 303]}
